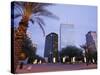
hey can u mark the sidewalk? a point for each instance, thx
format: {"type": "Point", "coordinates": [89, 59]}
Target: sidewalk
{"type": "Point", "coordinates": [54, 67]}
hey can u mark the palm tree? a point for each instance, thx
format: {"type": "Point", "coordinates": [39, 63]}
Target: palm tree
{"type": "Point", "coordinates": [29, 12]}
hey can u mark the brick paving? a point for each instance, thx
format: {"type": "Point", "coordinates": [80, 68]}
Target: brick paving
{"type": "Point", "coordinates": [54, 67]}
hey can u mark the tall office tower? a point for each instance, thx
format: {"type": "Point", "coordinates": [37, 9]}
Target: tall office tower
{"type": "Point", "coordinates": [51, 48]}
{"type": "Point", "coordinates": [67, 35]}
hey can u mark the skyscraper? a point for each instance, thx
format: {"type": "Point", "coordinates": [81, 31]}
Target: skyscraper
{"type": "Point", "coordinates": [67, 35]}
{"type": "Point", "coordinates": [51, 48]}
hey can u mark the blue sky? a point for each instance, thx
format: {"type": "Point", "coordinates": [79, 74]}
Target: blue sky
{"type": "Point", "coordinates": [84, 19]}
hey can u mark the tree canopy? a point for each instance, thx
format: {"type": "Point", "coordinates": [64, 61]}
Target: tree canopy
{"type": "Point", "coordinates": [28, 47]}
{"type": "Point", "coordinates": [71, 51]}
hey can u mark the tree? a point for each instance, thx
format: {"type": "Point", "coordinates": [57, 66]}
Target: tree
{"type": "Point", "coordinates": [28, 47]}
{"type": "Point", "coordinates": [31, 12]}
{"type": "Point", "coordinates": [90, 55]}
{"type": "Point", "coordinates": [37, 57]}
{"type": "Point", "coordinates": [71, 51]}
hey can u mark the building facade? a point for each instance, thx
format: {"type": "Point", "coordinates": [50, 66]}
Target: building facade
{"type": "Point", "coordinates": [91, 47]}
{"type": "Point", "coordinates": [91, 41]}
{"type": "Point", "coordinates": [67, 35]}
{"type": "Point", "coordinates": [51, 48]}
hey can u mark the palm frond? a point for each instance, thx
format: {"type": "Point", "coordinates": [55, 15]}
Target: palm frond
{"type": "Point", "coordinates": [17, 15]}
{"type": "Point", "coordinates": [13, 16]}
{"type": "Point", "coordinates": [19, 9]}
{"type": "Point", "coordinates": [39, 22]}
{"type": "Point", "coordinates": [44, 12]}
{"type": "Point", "coordinates": [21, 4]}
{"type": "Point", "coordinates": [32, 21]}
{"type": "Point", "coordinates": [41, 28]}
{"type": "Point", "coordinates": [42, 5]}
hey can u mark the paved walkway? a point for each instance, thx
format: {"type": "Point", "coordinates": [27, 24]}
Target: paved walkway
{"type": "Point", "coordinates": [54, 67]}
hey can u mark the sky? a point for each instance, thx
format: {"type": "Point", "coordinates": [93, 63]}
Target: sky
{"type": "Point", "coordinates": [83, 18]}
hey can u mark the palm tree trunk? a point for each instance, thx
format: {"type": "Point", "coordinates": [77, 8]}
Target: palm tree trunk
{"type": "Point", "coordinates": [19, 36]}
